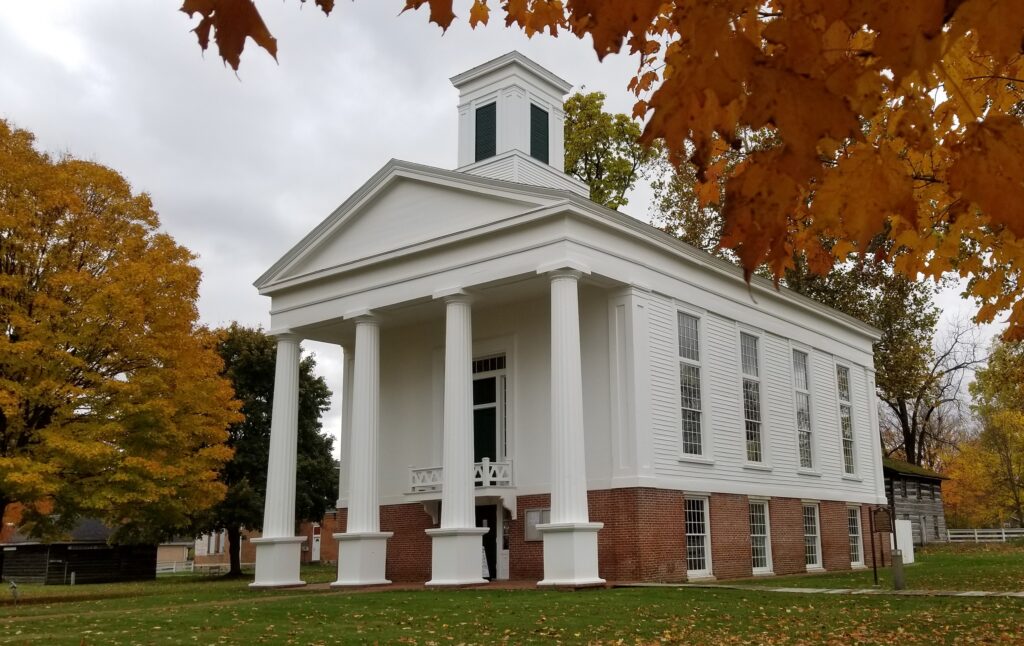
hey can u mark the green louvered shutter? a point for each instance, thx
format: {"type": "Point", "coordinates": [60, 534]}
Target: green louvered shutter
{"type": "Point", "coordinates": [486, 132]}
{"type": "Point", "coordinates": [538, 133]}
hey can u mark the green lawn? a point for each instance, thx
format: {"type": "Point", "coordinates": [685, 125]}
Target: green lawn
{"type": "Point", "coordinates": [179, 610]}
{"type": "Point", "coordinates": [985, 566]}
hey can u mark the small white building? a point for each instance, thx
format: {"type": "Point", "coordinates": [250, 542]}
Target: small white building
{"type": "Point", "coordinates": [557, 386]}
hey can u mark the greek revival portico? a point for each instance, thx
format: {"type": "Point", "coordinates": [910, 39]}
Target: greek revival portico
{"type": "Point", "coordinates": [570, 540]}
{"type": "Point", "coordinates": [417, 241]}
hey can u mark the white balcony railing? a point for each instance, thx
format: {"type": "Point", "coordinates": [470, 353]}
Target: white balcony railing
{"type": "Point", "coordinates": [485, 474]}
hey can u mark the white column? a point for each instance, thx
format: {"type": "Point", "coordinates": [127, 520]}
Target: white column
{"type": "Point", "coordinates": [346, 426]}
{"type": "Point", "coordinates": [570, 540]}
{"type": "Point", "coordinates": [278, 550]}
{"type": "Point", "coordinates": [456, 547]}
{"type": "Point", "coordinates": [362, 548]}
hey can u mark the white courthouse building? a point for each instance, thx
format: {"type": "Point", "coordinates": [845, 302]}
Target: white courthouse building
{"type": "Point", "coordinates": [538, 387]}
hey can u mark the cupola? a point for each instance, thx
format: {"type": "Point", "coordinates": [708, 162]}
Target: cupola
{"type": "Point", "coordinates": [511, 122]}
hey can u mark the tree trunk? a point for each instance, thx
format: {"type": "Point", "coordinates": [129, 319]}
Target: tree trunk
{"type": "Point", "coordinates": [909, 434]}
{"type": "Point", "coordinates": [235, 550]}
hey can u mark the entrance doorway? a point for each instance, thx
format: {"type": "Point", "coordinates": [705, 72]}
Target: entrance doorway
{"type": "Point", "coordinates": [490, 442]}
{"type": "Point", "coordinates": [487, 516]}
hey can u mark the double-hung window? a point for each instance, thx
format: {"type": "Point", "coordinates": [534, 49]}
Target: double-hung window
{"type": "Point", "coordinates": [802, 386]}
{"type": "Point", "coordinates": [698, 538]}
{"type": "Point", "coordinates": [690, 385]}
{"type": "Point", "coordinates": [846, 418]}
{"type": "Point", "coordinates": [856, 549]}
{"type": "Point", "coordinates": [751, 396]}
{"type": "Point", "coordinates": [812, 537]}
{"type": "Point", "coordinates": [760, 538]}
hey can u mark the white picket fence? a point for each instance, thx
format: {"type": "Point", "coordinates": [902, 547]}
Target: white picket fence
{"type": "Point", "coordinates": [999, 535]}
{"type": "Point", "coordinates": [173, 567]}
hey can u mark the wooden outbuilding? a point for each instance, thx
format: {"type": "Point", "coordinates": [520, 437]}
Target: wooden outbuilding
{"type": "Point", "coordinates": [86, 557]}
{"type": "Point", "coordinates": [915, 494]}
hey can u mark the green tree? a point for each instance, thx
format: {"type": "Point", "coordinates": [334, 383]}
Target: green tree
{"type": "Point", "coordinates": [111, 399]}
{"type": "Point", "coordinates": [604, 149]}
{"type": "Point", "coordinates": [249, 357]}
{"type": "Point", "coordinates": [920, 375]}
{"type": "Point", "coordinates": [691, 210]}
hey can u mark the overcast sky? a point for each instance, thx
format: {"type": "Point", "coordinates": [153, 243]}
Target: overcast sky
{"type": "Point", "coordinates": [241, 166]}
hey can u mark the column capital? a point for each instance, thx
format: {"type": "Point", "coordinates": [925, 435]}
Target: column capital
{"type": "Point", "coordinates": [559, 274]}
{"type": "Point", "coordinates": [453, 295]}
{"type": "Point", "coordinates": [364, 316]}
{"type": "Point", "coordinates": [287, 336]}
{"type": "Point", "coordinates": [559, 267]}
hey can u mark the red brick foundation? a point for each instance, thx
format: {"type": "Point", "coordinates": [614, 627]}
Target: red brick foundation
{"type": "Point", "coordinates": [730, 536]}
{"type": "Point", "coordinates": [785, 515]}
{"type": "Point", "coordinates": [835, 535]}
{"type": "Point", "coordinates": [643, 537]}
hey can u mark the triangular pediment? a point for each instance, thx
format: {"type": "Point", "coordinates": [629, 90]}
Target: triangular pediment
{"type": "Point", "coordinates": [399, 210]}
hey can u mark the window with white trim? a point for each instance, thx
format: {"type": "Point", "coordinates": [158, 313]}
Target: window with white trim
{"type": "Point", "coordinates": [812, 537]}
{"type": "Point", "coordinates": [698, 538]}
{"type": "Point", "coordinates": [802, 386]}
{"type": "Point", "coordinates": [846, 418]}
{"type": "Point", "coordinates": [760, 538]}
{"type": "Point", "coordinates": [751, 396]}
{"type": "Point", "coordinates": [690, 385]}
{"type": "Point", "coordinates": [856, 544]}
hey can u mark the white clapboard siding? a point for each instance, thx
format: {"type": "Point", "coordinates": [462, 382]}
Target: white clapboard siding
{"type": "Point", "coordinates": [824, 416]}
{"type": "Point", "coordinates": [723, 413]}
{"type": "Point", "coordinates": [664, 364]}
{"type": "Point", "coordinates": [724, 391]}
{"type": "Point", "coordinates": [778, 403]}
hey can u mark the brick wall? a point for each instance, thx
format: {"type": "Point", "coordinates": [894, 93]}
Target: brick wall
{"type": "Point", "coordinates": [526, 558]}
{"type": "Point", "coordinates": [730, 536]}
{"type": "Point", "coordinates": [835, 535]}
{"type": "Point", "coordinates": [785, 515]}
{"type": "Point", "coordinates": [663, 533]}
{"type": "Point", "coordinates": [409, 548]}
{"type": "Point", "coordinates": [643, 538]}
{"type": "Point", "coordinates": [408, 558]}
{"type": "Point", "coordinates": [632, 518]}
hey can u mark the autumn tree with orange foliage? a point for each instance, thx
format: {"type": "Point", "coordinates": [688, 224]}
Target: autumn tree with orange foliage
{"type": "Point", "coordinates": [988, 474]}
{"type": "Point", "coordinates": [900, 119]}
{"type": "Point", "coordinates": [111, 399]}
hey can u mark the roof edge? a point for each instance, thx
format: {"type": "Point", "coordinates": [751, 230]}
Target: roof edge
{"type": "Point", "coordinates": [394, 166]}
{"type": "Point", "coordinates": [900, 466]}
{"type": "Point", "coordinates": [513, 57]}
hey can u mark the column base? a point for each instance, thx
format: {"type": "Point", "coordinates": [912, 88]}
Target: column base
{"type": "Point", "coordinates": [570, 554]}
{"type": "Point", "coordinates": [456, 556]}
{"type": "Point", "coordinates": [277, 561]}
{"type": "Point", "coordinates": [362, 557]}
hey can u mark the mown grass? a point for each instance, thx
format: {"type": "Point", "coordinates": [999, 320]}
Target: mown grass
{"type": "Point", "coordinates": [527, 616]}
{"type": "Point", "coordinates": [964, 566]}
{"type": "Point", "coordinates": [211, 610]}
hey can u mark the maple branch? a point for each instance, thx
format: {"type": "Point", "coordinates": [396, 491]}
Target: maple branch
{"type": "Point", "coordinates": [994, 76]}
